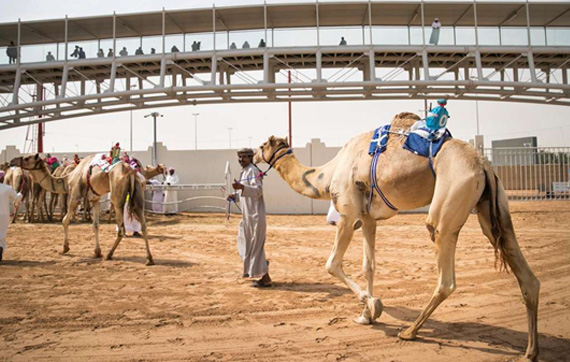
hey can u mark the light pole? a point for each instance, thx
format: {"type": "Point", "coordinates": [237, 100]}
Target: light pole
{"type": "Point", "coordinates": [154, 151]}
{"type": "Point", "coordinates": [477, 114]}
{"type": "Point", "coordinates": [230, 130]}
{"type": "Point", "coordinates": [195, 130]}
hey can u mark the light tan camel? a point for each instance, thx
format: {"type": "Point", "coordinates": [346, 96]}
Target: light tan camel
{"type": "Point", "coordinates": [465, 181]}
{"type": "Point", "coordinates": [55, 200]}
{"type": "Point", "coordinates": [20, 181]}
{"type": "Point", "coordinates": [119, 181]}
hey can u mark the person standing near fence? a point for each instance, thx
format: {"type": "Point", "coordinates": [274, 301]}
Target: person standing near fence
{"type": "Point", "coordinates": [252, 228]}
{"type": "Point", "coordinates": [171, 196]}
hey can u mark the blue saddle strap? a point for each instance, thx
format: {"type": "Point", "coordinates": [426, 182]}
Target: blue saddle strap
{"type": "Point", "coordinates": [374, 184]}
{"type": "Point", "coordinates": [431, 158]}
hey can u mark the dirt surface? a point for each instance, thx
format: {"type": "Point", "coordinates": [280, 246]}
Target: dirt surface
{"type": "Point", "coordinates": [194, 305]}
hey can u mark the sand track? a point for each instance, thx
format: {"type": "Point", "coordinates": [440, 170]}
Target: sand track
{"type": "Point", "coordinates": [193, 305]}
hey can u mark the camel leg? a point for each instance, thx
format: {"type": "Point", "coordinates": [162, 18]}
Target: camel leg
{"type": "Point", "coordinates": [448, 212]}
{"type": "Point", "coordinates": [96, 206]}
{"type": "Point", "coordinates": [344, 233]}
{"type": "Point", "coordinates": [373, 306]}
{"type": "Point", "coordinates": [142, 220]}
{"type": "Point", "coordinates": [528, 283]}
{"type": "Point", "coordinates": [120, 231]}
{"type": "Point", "coordinates": [73, 203]}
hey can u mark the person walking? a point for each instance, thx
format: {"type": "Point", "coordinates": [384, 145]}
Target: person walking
{"type": "Point", "coordinates": [252, 228]}
{"type": "Point", "coordinates": [8, 198]}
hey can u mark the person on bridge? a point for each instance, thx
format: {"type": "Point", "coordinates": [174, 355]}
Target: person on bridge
{"type": "Point", "coordinates": [194, 46]}
{"type": "Point", "coordinates": [139, 51]}
{"type": "Point", "coordinates": [252, 228]}
{"type": "Point", "coordinates": [8, 198]}
{"type": "Point", "coordinates": [342, 41]}
{"type": "Point", "coordinates": [50, 57]}
{"type": "Point", "coordinates": [110, 54]}
{"type": "Point", "coordinates": [435, 26]}
{"type": "Point", "coordinates": [81, 53]}
{"type": "Point", "coordinates": [100, 54]}
{"type": "Point", "coordinates": [174, 49]}
{"type": "Point", "coordinates": [261, 44]}
{"type": "Point", "coordinates": [152, 51]}
{"type": "Point", "coordinates": [75, 53]}
{"type": "Point", "coordinates": [233, 45]}
{"type": "Point", "coordinates": [124, 52]}
{"type": "Point", "coordinates": [171, 195]}
{"type": "Point", "coordinates": [12, 53]}
{"type": "Point", "coordinates": [245, 45]}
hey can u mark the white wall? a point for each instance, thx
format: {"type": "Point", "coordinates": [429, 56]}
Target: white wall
{"type": "Point", "coordinates": [208, 166]}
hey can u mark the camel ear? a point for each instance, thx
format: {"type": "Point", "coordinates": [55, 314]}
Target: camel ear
{"type": "Point", "coordinates": [272, 140]}
{"type": "Point", "coordinates": [37, 156]}
{"type": "Point", "coordinates": [287, 140]}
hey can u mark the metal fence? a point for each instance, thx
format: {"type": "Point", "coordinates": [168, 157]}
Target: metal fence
{"type": "Point", "coordinates": [532, 173]}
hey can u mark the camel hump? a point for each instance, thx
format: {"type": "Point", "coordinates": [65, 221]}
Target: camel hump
{"type": "Point", "coordinates": [403, 121]}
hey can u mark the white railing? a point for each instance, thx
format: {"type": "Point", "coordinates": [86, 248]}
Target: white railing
{"type": "Point", "coordinates": [533, 173]}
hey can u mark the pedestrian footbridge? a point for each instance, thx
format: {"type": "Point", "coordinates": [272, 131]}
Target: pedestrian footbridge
{"type": "Point", "coordinates": [492, 50]}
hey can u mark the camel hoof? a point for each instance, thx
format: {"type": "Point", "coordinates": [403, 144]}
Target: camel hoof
{"type": "Point", "coordinates": [376, 307]}
{"type": "Point", "coordinates": [98, 254]}
{"type": "Point", "coordinates": [109, 257]}
{"type": "Point", "coordinates": [363, 320]}
{"type": "Point", "coordinates": [149, 262]}
{"type": "Point", "coordinates": [65, 249]}
{"type": "Point", "coordinates": [407, 335]}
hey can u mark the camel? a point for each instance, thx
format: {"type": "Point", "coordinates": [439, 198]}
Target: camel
{"type": "Point", "coordinates": [119, 181]}
{"type": "Point", "coordinates": [55, 199]}
{"type": "Point", "coordinates": [20, 181]}
{"type": "Point", "coordinates": [465, 181]}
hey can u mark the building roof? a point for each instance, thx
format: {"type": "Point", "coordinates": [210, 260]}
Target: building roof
{"type": "Point", "coordinates": [236, 18]}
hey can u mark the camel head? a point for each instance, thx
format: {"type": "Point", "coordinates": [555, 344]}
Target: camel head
{"type": "Point", "coordinates": [29, 162]}
{"type": "Point", "coordinates": [271, 149]}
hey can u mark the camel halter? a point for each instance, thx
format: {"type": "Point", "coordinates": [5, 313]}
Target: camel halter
{"type": "Point", "coordinates": [274, 158]}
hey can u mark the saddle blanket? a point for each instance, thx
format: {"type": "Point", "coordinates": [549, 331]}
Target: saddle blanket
{"type": "Point", "coordinates": [100, 160]}
{"type": "Point", "coordinates": [419, 141]}
{"type": "Point", "coordinates": [379, 140]}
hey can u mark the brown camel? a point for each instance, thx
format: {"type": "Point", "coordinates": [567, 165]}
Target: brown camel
{"type": "Point", "coordinates": [119, 181]}
{"type": "Point", "coordinates": [465, 181]}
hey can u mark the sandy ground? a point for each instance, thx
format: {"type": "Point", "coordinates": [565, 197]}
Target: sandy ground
{"type": "Point", "coordinates": [194, 305]}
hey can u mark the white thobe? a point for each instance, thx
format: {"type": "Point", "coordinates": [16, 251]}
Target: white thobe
{"type": "Point", "coordinates": [251, 232]}
{"type": "Point", "coordinates": [332, 215]}
{"type": "Point", "coordinates": [171, 195]}
{"type": "Point", "coordinates": [157, 197]}
{"type": "Point", "coordinates": [131, 223]}
{"type": "Point", "coordinates": [8, 197]}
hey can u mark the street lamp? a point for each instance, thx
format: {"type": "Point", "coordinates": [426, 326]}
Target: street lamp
{"type": "Point", "coordinates": [154, 151]}
{"type": "Point", "coordinates": [230, 130]}
{"type": "Point", "coordinates": [195, 130]}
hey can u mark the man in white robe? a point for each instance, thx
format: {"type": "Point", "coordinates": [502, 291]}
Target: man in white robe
{"type": "Point", "coordinates": [171, 195]}
{"type": "Point", "coordinates": [157, 197]}
{"type": "Point", "coordinates": [251, 232]}
{"type": "Point", "coordinates": [8, 197]}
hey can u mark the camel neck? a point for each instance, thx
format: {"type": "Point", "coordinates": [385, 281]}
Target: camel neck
{"type": "Point", "coordinates": [313, 182]}
{"type": "Point", "coordinates": [56, 185]}
{"type": "Point", "coordinates": [150, 174]}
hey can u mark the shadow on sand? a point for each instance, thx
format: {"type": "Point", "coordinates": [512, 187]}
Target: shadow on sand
{"type": "Point", "coordinates": [331, 289]}
{"type": "Point", "coordinates": [26, 263]}
{"type": "Point", "coordinates": [552, 348]}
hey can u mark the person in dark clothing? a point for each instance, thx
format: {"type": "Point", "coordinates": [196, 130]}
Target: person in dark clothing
{"type": "Point", "coordinates": [75, 53]}
{"type": "Point", "coordinates": [12, 53]}
{"type": "Point", "coordinates": [81, 53]}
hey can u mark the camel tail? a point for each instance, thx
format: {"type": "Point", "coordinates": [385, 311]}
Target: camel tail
{"type": "Point", "coordinates": [132, 205]}
{"type": "Point", "coordinates": [494, 215]}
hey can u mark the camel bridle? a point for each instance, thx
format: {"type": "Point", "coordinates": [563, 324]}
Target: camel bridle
{"type": "Point", "coordinates": [274, 158]}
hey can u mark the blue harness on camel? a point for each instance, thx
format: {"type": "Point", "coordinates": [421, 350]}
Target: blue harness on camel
{"type": "Point", "coordinates": [423, 142]}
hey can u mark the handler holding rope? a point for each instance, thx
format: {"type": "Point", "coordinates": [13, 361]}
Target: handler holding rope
{"type": "Point", "coordinates": [251, 232]}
